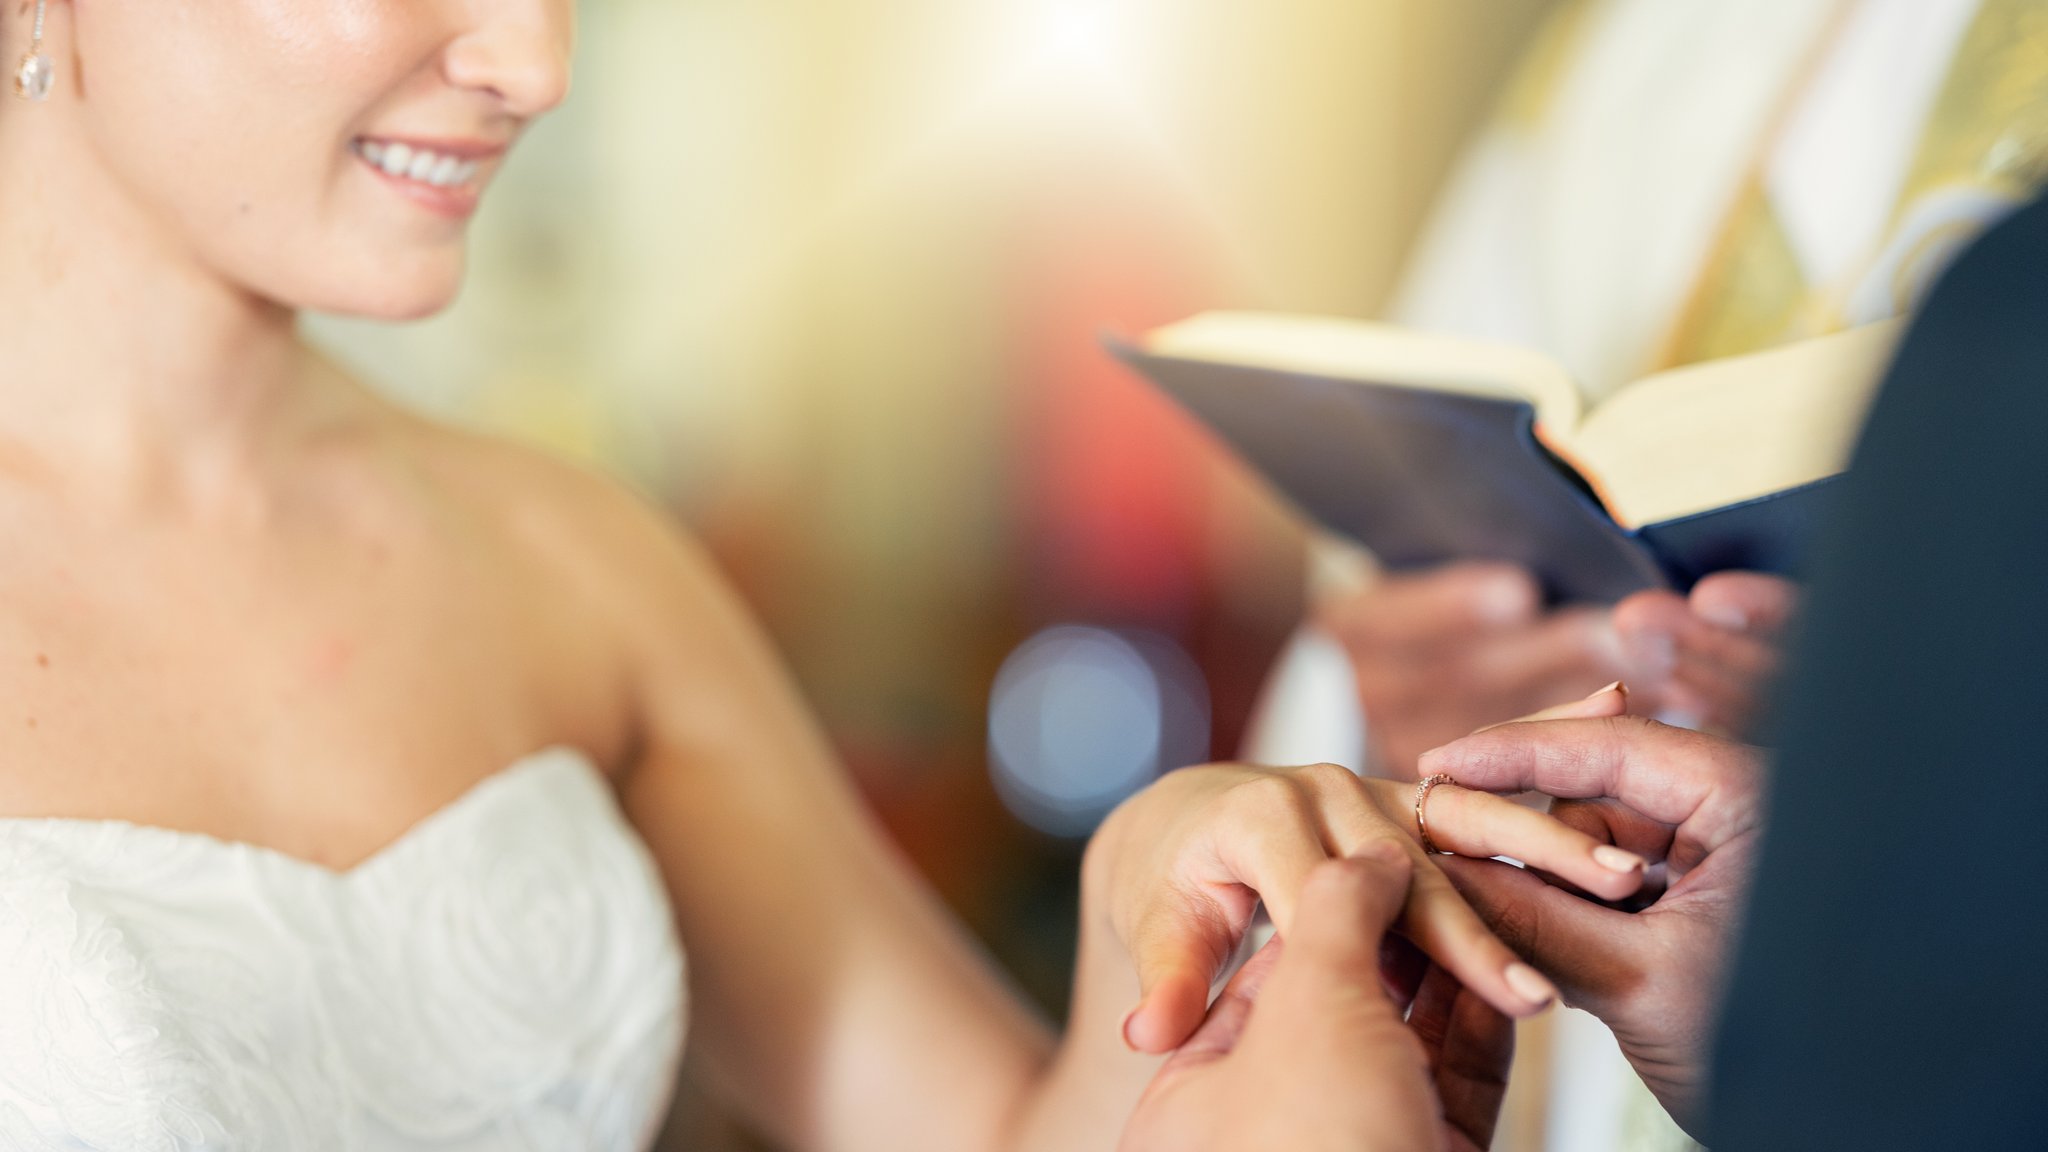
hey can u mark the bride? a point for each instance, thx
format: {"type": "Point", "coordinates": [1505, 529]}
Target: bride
{"type": "Point", "coordinates": [361, 779]}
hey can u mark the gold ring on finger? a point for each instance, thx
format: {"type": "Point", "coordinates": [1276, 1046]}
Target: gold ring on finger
{"type": "Point", "coordinates": [1422, 791]}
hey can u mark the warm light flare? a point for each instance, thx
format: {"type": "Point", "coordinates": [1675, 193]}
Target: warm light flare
{"type": "Point", "coordinates": [1078, 33]}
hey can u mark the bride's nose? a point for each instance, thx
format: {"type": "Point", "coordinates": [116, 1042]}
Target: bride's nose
{"type": "Point", "coordinates": [516, 51]}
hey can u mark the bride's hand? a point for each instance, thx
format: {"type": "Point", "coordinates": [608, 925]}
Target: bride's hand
{"type": "Point", "coordinates": [1179, 869]}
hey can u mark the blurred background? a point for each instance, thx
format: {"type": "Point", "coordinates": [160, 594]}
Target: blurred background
{"type": "Point", "coordinates": [827, 279]}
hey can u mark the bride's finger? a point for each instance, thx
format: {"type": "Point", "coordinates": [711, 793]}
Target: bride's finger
{"type": "Point", "coordinates": [1439, 921]}
{"type": "Point", "coordinates": [1468, 823]}
{"type": "Point", "coordinates": [1265, 843]}
{"type": "Point", "coordinates": [1436, 918]}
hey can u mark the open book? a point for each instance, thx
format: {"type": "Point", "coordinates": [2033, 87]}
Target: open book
{"type": "Point", "coordinates": [1429, 449]}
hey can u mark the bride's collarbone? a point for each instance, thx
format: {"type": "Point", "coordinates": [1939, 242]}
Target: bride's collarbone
{"type": "Point", "coordinates": [314, 682]}
{"type": "Point", "coordinates": [321, 733]}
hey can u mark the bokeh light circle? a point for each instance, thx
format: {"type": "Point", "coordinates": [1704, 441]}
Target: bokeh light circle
{"type": "Point", "coordinates": [1081, 717]}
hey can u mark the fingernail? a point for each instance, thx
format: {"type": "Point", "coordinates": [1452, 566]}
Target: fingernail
{"type": "Point", "coordinates": [1530, 985]}
{"type": "Point", "coordinates": [1724, 616]}
{"type": "Point", "coordinates": [1617, 860]}
{"type": "Point", "coordinates": [1130, 1019]}
{"type": "Point", "coordinates": [1617, 686]}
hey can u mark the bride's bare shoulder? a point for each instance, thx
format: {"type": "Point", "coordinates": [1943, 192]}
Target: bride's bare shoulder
{"type": "Point", "coordinates": [695, 660]}
{"type": "Point", "coordinates": [573, 520]}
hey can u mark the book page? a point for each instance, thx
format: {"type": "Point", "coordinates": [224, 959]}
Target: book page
{"type": "Point", "coordinates": [1377, 354]}
{"type": "Point", "coordinates": [1706, 436]}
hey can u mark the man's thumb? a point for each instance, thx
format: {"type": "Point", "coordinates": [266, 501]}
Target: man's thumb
{"type": "Point", "coordinates": [1344, 912]}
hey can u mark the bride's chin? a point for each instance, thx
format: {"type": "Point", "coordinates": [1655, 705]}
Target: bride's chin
{"type": "Point", "coordinates": [418, 307]}
{"type": "Point", "coordinates": [392, 295]}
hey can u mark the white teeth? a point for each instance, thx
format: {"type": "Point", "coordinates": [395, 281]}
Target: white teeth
{"type": "Point", "coordinates": [418, 164]}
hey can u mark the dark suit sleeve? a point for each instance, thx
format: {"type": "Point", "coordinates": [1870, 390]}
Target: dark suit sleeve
{"type": "Point", "coordinates": [1891, 989]}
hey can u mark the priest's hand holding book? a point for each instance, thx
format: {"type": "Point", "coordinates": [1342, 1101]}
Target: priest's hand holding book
{"type": "Point", "coordinates": [1439, 653]}
{"type": "Point", "coordinates": [1707, 658]}
{"type": "Point", "coordinates": [1534, 545]}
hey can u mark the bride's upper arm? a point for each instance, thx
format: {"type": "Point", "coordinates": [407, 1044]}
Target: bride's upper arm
{"type": "Point", "coordinates": [826, 981]}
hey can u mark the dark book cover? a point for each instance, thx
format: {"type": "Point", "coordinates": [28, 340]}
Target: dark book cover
{"type": "Point", "coordinates": [1426, 478]}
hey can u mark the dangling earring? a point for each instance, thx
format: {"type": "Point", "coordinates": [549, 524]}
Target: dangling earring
{"type": "Point", "coordinates": [33, 79]}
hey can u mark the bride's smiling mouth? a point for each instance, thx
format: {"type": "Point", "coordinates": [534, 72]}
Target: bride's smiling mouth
{"type": "Point", "coordinates": [443, 176]}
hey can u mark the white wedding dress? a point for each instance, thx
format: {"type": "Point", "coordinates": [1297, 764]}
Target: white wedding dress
{"type": "Point", "coordinates": [505, 976]}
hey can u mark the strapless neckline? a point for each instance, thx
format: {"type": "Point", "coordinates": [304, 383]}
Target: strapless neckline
{"type": "Point", "coordinates": [549, 761]}
{"type": "Point", "coordinates": [504, 974]}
